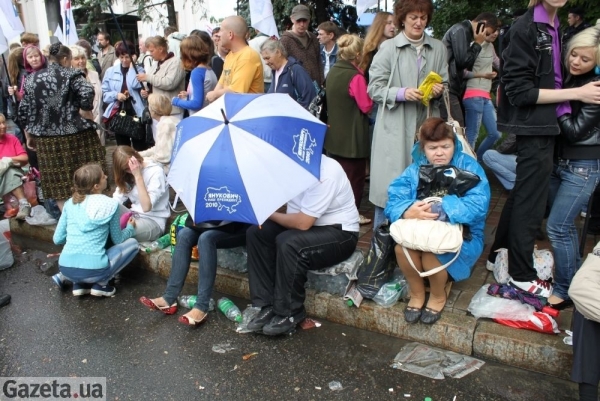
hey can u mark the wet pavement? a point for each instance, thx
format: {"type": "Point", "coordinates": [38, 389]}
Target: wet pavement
{"type": "Point", "coordinates": [149, 356]}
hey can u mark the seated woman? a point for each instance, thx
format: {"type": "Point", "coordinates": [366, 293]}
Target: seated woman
{"type": "Point", "coordinates": [208, 237]}
{"type": "Point", "coordinates": [160, 110]}
{"type": "Point", "coordinates": [288, 74]}
{"type": "Point", "coordinates": [87, 219]}
{"type": "Point", "coordinates": [438, 145]}
{"type": "Point", "coordinates": [12, 156]}
{"type": "Point", "coordinates": [576, 169]}
{"type": "Point", "coordinates": [143, 183]}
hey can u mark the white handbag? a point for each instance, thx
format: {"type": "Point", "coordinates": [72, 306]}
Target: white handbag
{"type": "Point", "coordinates": [585, 287]}
{"type": "Point", "coordinates": [428, 236]}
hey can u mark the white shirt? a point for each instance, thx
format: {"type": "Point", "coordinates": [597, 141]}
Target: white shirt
{"type": "Point", "coordinates": [156, 186]}
{"type": "Point", "coordinates": [330, 201]}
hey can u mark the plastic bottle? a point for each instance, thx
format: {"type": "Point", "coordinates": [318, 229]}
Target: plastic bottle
{"type": "Point", "coordinates": [160, 243]}
{"type": "Point", "coordinates": [229, 309]}
{"type": "Point", "coordinates": [350, 302]}
{"type": "Point", "coordinates": [188, 301]}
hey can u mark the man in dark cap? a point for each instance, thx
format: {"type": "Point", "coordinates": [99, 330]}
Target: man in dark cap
{"type": "Point", "coordinates": [576, 25]}
{"type": "Point", "coordinates": [302, 44]}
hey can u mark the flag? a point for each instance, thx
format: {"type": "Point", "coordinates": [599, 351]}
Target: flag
{"type": "Point", "coordinates": [69, 36]}
{"type": "Point", "coordinates": [3, 42]}
{"type": "Point", "coordinates": [363, 5]}
{"type": "Point", "coordinates": [9, 20]}
{"type": "Point", "coordinates": [261, 17]}
{"type": "Point", "coordinates": [58, 33]}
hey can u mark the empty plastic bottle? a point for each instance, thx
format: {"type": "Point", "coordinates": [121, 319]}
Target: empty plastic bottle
{"type": "Point", "coordinates": [188, 301]}
{"type": "Point", "coordinates": [229, 309]}
{"type": "Point", "coordinates": [160, 243]}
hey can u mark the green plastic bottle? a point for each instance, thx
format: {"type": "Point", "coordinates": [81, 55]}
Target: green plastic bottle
{"type": "Point", "coordinates": [160, 243]}
{"type": "Point", "coordinates": [350, 302]}
{"type": "Point", "coordinates": [229, 309]}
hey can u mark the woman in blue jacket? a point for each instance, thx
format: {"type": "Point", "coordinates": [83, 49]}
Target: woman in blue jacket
{"type": "Point", "coordinates": [438, 146]}
{"type": "Point", "coordinates": [121, 88]}
{"type": "Point", "coordinates": [288, 74]}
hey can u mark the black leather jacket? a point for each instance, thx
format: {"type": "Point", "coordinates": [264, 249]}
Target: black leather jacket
{"type": "Point", "coordinates": [580, 131]}
{"type": "Point", "coordinates": [461, 53]}
{"type": "Point", "coordinates": [528, 66]}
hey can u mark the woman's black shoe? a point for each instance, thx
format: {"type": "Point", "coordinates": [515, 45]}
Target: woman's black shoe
{"type": "Point", "coordinates": [561, 305]}
{"type": "Point", "coordinates": [412, 314]}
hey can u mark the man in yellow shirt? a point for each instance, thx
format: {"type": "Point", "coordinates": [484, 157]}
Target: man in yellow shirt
{"type": "Point", "coordinates": [242, 71]}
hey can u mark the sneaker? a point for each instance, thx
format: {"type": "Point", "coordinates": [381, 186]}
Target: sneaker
{"type": "Point", "coordinates": [57, 279]}
{"type": "Point", "coordinates": [81, 289]}
{"type": "Point", "coordinates": [536, 287]}
{"type": "Point", "coordinates": [489, 266]}
{"type": "Point", "coordinates": [283, 325]}
{"type": "Point", "coordinates": [264, 316]}
{"type": "Point", "coordinates": [103, 290]}
{"type": "Point", "coordinates": [24, 210]}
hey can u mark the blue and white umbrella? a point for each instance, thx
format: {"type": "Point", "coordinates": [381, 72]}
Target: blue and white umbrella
{"type": "Point", "coordinates": [244, 156]}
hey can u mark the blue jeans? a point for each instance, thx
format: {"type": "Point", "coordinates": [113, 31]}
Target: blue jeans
{"type": "Point", "coordinates": [478, 109]}
{"type": "Point", "coordinates": [119, 256]}
{"type": "Point", "coordinates": [208, 242]}
{"type": "Point", "coordinates": [571, 184]}
{"type": "Point", "coordinates": [378, 217]}
{"type": "Point", "coordinates": [503, 166]}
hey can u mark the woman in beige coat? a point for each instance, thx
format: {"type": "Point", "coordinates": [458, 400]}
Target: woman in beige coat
{"type": "Point", "coordinates": [166, 77]}
{"type": "Point", "coordinates": [398, 68]}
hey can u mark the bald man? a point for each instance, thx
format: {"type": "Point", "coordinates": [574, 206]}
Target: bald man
{"type": "Point", "coordinates": [242, 71]}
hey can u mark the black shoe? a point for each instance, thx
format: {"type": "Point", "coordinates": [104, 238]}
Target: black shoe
{"type": "Point", "coordinates": [264, 316]}
{"type": "Point", "coordinates": [561, 305]}
{"type": "Point", "coordinates": [283, 325]}
{"type": "Point", "coordinates": [430, 316]}
{"type": "Point", "coordinates": [4, 300]}
{"type": "Point", "coordinates": [412, 314]}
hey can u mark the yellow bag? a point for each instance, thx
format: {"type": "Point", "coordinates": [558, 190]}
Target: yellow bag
{"type": "Point", "coordinates": [426, 86]}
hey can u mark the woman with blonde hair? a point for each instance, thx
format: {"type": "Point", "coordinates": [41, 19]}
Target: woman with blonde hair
{"type": "Point", "coordinates": [79, 61]}
{"type": "Point", "coordinates": [160, 110]}
{"type": "Point", "coordinates": [143, 183]}
{"type": "Point", "coordinates": [381, 29]}
{"type": "Point", "coordinates": [348, 106]}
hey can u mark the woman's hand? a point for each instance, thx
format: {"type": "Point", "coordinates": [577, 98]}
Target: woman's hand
{"type": "Point", "coordinates": [141, 77]}
{"type": "Point", "coordinates": [31, 143]}
{"type": "Point", "coordinates": [183, 95]}
{"type": "Point", "coordinates": [144, 93]}
{"type": "Point", "coordinates": [12, 90]}
{"type": "Point", "coordinates": [135, 167]}
{"type": "Point", "coordinates": [419, 210]}
{"type": "Point", "coordinates": [413, 95]}
{"type": "Point", "coordinates": [131, 221]}
{"type": "Point", "coordinates": [121, 97]}
{"type": "Point", "coordinates": [438, 89]}
{"type": "Point", "coordinates": [590, 93]}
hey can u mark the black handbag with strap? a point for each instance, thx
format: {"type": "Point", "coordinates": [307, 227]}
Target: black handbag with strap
{"type": "Point", "coordinates": [125, 122]}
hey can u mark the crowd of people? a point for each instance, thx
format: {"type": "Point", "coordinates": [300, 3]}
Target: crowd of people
{"type": "Point", "coordinates": [382, 127]}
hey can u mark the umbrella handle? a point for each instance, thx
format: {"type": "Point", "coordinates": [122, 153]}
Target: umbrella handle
{"type": "Point", "coordinates": [224, 117]}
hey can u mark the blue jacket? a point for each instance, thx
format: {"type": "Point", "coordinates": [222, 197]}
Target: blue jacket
{"type": "Point", "coordinates": [471, 209]}
{"type": "Point", "coordinates": [295, 81]}
{"type": "Point", "coordinates": [332, 56]}
{"type": "Point", "coordinates": [111, 86]}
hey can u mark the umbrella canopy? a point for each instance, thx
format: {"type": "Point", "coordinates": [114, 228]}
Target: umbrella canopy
{"type": "Point", "coordinates": [244, 156]}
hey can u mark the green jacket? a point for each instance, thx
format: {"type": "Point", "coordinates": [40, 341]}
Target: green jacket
{"type": "Point", "coordinates": [348, 132]}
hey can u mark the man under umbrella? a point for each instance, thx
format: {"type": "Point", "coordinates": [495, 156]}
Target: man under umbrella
{"type": "Point", "coordinates": [319, 230]}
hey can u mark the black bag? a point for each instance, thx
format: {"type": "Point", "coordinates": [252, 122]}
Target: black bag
{"type": "Point", "coordinates": [444, 180]}
{"type": "Point", "coordinates": [379, 264]}
{"type": "Point", "coordinates": [11, 109]}
{"type": "Point", "coordinates": [126, 123]}
{"type": "Point", "coordinates": [318, 106]}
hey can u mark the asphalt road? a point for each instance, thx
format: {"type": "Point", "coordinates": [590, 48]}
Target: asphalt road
{"type": "Point", "coordinates": [149, 356]}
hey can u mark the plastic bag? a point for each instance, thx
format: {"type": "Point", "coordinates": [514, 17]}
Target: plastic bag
{"type": "Point", "coordinates": [434, 363]}
{"type": "Point", "coordinates": [247, 315]}
{"type": "Point", "coordinates": [379, 265]}
{"type": "Point", "coordinates": [426, 86]}
{"type": "Point", "coordinates": [543, 263]}
{"type": "Point", "coordinates": [390, 292]}
{"type": "Point", "coordinates": [6, 255]}
{"type": "Point", "coordinates": [30, 190]}
{"type": "Point", "coordinates": [484, 305]}
{"type": "Point", "coordinates": [11, 205]}
{"type": "Point", "coordinates": [538, 321]}
{"type": "Point", "coordinates": [39, 217]}
{"type": "Point", "coordinates": [444, 180]}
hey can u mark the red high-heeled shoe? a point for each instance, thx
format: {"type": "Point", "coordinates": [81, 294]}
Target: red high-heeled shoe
{"type": "Point", "coordinates": [190, 321]}
{"type": "Point", "coordinates": [150, 304]}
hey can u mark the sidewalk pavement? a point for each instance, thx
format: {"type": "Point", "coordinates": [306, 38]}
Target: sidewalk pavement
{"type": "Point", "coordinates": [456, 330]}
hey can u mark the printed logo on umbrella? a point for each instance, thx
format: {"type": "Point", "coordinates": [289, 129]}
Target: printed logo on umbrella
{"type": "Point", "coordinates": [303, 145]}
{"type": "Point", "coordinates": [220, 198]}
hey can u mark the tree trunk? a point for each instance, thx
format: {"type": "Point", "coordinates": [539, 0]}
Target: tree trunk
{"type": "Point", "coordinates": [171, 15]}
{"type": "Point", "coordinates": [321, 10]}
